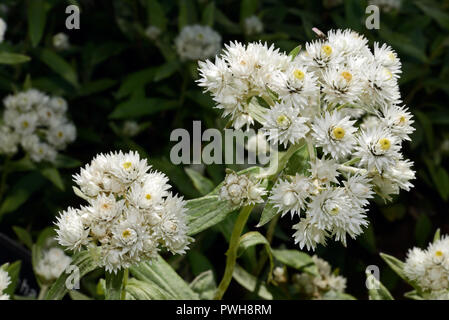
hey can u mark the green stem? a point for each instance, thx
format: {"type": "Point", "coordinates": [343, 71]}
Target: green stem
{"type": "Point", "coordinates": [231, 254]}
{"type": "Point", "coordinates": [43, 292]}
{"type": "Point", "coordinates": [311, 151]}
{"type": "Point", "coordinates": [269, 236]}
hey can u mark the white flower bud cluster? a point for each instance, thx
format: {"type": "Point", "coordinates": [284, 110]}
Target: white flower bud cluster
{"type": "Point", "coordinates": [197, 42]}
{"type": "Point", "coordinates": [341, 99]}
{"type": "Point", "coordinates": [429, 268]}
{"type": "Point", "coordinates": [241, 190]}
{"type": "Point", "coordinates": [52, 264]}
{"type": "Point", "coordinates": [253, 25]}
{"type": "Point", "coordinates": [315, 287]}
{"type": "Point", "coordinates": [131, 212]}
{"type": "Point", "coordinates": [36, 122]}
{"type": "Point", "coordinates": [61, 41]}
{"type": "Point", "coordinates": [5, 281]}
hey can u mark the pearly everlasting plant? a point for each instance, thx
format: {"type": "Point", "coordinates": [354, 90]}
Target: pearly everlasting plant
{"type": "Point", "coordinates": [337, 99]}
{"type": "Point", "coordinates": [130, 215]}
{"type": "Point", "coordinates": [5, 281]}
{"type": "Point", "coordinates": [197, 42]}
{"type": "Point", "coordinates": [36, 122]}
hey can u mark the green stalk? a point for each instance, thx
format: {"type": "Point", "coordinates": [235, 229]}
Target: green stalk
{"type": "Point", "coordinates": [231, 254]}
{"type": "Point", "coordinates": [115, 284]}
{"type": "Point", "coordinates": [43, 292]}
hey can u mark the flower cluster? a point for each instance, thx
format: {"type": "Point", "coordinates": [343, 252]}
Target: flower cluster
{"type": "Point", "coordinates": [197, 42]}
{"type": "Point", "coordinates": [5, 281]}
{"type": "Point", "coordinates": [38, 123]}
{"type": "Point", "coordinates": [322, 285]}
{"type": "Point", "coordinates": [52, 264]}
{"type": "Point", "coordinates": [340, 99]}
{"type": "Point", "coordinates": [131, 212]}
{"type": "Point", "coordinates": [241, 190]}
{"type": "Point", "coordinates": [429, 269]}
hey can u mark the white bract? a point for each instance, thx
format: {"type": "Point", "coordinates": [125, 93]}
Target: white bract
{"type": "Point", "coordinates": [130, 215]}
{"type": "Point", "coordinates": [5, 281]}
{"type": "Point", "coordinates": [36, 122]}
{"type": "Point", "coordinates": [429, 268]}
{"type": "Point", "coordinates": [52, 264]}
{"type": "Point", "coordinates": [337, 99]}
{"type": "Point", "coordinates": [197, 42]}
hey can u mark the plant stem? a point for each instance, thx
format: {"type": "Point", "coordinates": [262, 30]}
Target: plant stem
{"type": "Point", "coordinates": [43, 292]}
{"type": "Point", "coordinates": [231, 254]}
{"type": "Point", "coordinates": [311, 151]}
{"type": "Point", "coordinates": [269, 236]}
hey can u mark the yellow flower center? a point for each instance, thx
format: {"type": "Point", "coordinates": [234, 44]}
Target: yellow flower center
{"type": "Point", "coordinates": [346, 75]}
{"type": "Point", "coordinates": [148, 196]}
{"type": "Point", "coordinates": [25, 124]}
{"type": "Point", "coordinates": [327, 49]}
{"type": "Point", "coordinates": [127, 165]}
{"type": "Point", "coordinates": [105, 206]}
{"type": "Point", "coordinates": [283, 121]}
{"type": "Point", "coordinates": [391, 56]}
{"type": "Point", "coordinates": [60, 134]}
{"type": "Point", "coordinates": [335, 210]}
{"type": "Point", "coordinates": [389, 74]}
{"type": "Point", "coordinates": [126, 233]}
{"type": "Point", "coordinates": [402, 120]}
{"type": "Point", "coordinates": [384, 144]}
{"type": "Point", "coordinates": [338, 133]}
{"type": "Point", "coordinates": [298, 74]}
{"type": "Point", "coordinates": [439, 253]}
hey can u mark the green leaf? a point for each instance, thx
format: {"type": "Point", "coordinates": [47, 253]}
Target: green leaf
{"type": "Point", "coordinates": [37, 17]}
{"type": "Point", "coordinates": [76, 295]}
{"type": "Point", "coordinates": [85, 262]}
{"type": "Point", "coordinates": [141, 107]}
{"type": "Point", "coordinates": [202, 184]}
{"type": "Point", "coordinates": [441, 17]}
{"type": "Point", "coordinates": [254, 238]}
{"type": "Point", "coordinates": [377, 294]}
{"type": "Point", "coordinates": [187, 13]}
{"type": "Point", "coordinates": [13, 58]}
{"type": "Point", "coordinates": [66, 162]}
{"type": "Point", "coordinates": [59, 65]}
{"type": "Point", "coordinates": [268, 213]}
{"type": "Point", "coordinates": [21, 192]}
{"type": "Point", "coordinates": [208, 15]}
{"type": "Point", "coordinates": [53, 175]}
{"type": "Point", "coordinates": [440, 178]}
{"type": "Point", "coordinates": [114, 285]}
{"type": "Point", "coordinates": [13, 272]}
{"type": "Point", "coordinates": [160, 273]}
{"type": "Point", "coordinates": [413, 295]}
{"type": "Point", "coordinates": [166, 70]}
{"type": "Point", "coordinates": [24, 236]}
{"type": "Point", "coordinates": [248, 8]}
{"type": "Point", "coordinates": [207, 211]}
{"type": "Point", "coordinates": [156, 14]}
{"type": "Point", "coordinates": [395, 264]}
{"type": "Point", "coordinates": [204, 285]}
{"type": "Point", "coordinates": [251, 283]}
{"type": "Point", "coordinates": [437, 235]}
{"type": "Point", "coordinates": [140, 290]}
{"type": "Point", "coordinates": [295, 52]}
{"type": "Point", "coordinates": [198, 262]}
{"type": "Point", "coordinates": [96, 86]}
{"type": "Point", "coordinates": [135, 81]}
{"type": "Point", "coordinates": [296, 259]}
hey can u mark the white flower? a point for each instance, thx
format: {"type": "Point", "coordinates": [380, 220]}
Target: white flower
{"type": "Point", "coordinates": [152, 32]}
{"type": "Point", "coordinates": [5, 280]}
{"type": "Point", "coordinates": [378, 149]}
{"type": "Point", "coordinates": [348, 43]}
{"type": "Point", "coordinates": [291, 195]}
{"type": "Point", "coordinates": [131, 213]}
{"type": "Point", "coordinates": [398, 120]}
{"type": "Point", "coordinates": [308, 235]}
{"type": "Point", "coordinates": [8, 140]}
{"type": "Point", "coordinates": [400, 174]}
{"type": "Point", "coordinates": [283, 124]}
{"type": "Point", "coordinates": [240, 190]}
{"type": "Point", "coordinates": [130, 128]}
{"type": "Point", "coordinates": [335, 134]}
{"type": "Point", "coordinates": [358, 189]}
{"type": "Point", "coordinates": [253, 25]}
{"type": "Point", "coordinates": [388, 58]}
{"type": "Point", "coordinates": [71, 230]}
{"type": "Point", "coordinates": [26, 123]}
{"type": "Point", "coordinates": [52, 264]}
{"type": "Point", "coordinates": [325, 171]}
{"type": "Point", "coordinates": [342, 84]}
{"type": "Point", "coordinates": [3, 28]}
{"type": "Point", "coordinates": [319, 55]}
{"type": "Point", "coordinates": [61, 41]}
{"type": "Point", "coordinates": [197, 42]}
{"type": "Point", "coordinates": [60, 135]}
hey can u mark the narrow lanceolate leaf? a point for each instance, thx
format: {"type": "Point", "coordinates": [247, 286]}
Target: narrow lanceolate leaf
{"type": "Point", "coordinates": [141, 290]}
{"type": "Point", "coordinates": [376, 290]}
{"type": "Point", "coordinates": [296, 259]}
{"type": "Point", "coordinates": [251, 283]}
{"type": "Point", "coordinates": [437, 235]}
{"type": "Point", "coordinates": [53, 175]}
{"type": "Point", "coordinates": [204, 285]}
{"type": "Point", "coordinates": [59, 65]}
{"type": "Point", "coordinates": [254, 238]}
{"type": "Point", "coordinates": [205, 212]}
{"type": "Point", "coordinates": [202, 184]}
{"type": "Point", "coordinates": [114, 285]}
{"type": "Point", "coordinates": [395, 264]}
{"type": "Point", "coordinates": [82, 263]}
{"type": "Point", "coordinates": [295, 52]}
{"type": "Point", "coordinates": [13, 58]}
{"type": "Point", "coordinates": [161, 274]}
{"type": "Point", "coordinates": [268, 213]}
{"type": "Point", "coordinates": [24, 236]}
{"type": "Point", "coordinates": [37, 17]}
